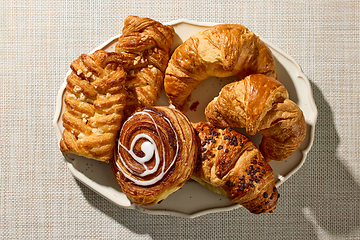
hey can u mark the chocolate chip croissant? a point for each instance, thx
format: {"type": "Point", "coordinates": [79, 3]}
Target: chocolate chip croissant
{"type": "Point", "coordinates": [261, 104]}
{"type": "Point", "coordinates": [228, 163]}
{"type": "Point", "coordinates": [95, 99]}
{"type": "Point", "coordinates": [145, 44]}
{"type": "Point", "coordinates": [155, 155]}
{"type": "Point", "coordinates": [223, 50]}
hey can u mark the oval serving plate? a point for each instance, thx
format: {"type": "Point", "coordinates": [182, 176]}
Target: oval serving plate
{"type": "Point", "coordinates": [192, 199]}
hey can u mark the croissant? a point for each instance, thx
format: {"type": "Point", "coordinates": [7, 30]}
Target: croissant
{"type": "Point", "coordinates": [222, 51]}
{"type": "Point", "coordinates": [261, 104]}
{"type": "Point", "coordinates": [228, 163]}
{"type": "Point", "coordinates": [155, 155]}
{"type": "Point", "coordinates": [94, 102]}
{"type": "Point", "coordinates": [145, 44]}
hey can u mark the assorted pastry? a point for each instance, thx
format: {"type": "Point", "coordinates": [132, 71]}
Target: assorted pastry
{"type": "Point", "coordinates": [229, 163]}
{"type": "Point", "coordinates": [155, 154]}
{"type": "Point", "coordinates": [223, 50]}
{"type": "Point", "coordinates": [94, 101]}
{"type": "Point", "coordinates": [260, 103]}
{"type": "Point", "coordinates": [110, 114]}
{"type": "Point", "coordinates": [145, 45]}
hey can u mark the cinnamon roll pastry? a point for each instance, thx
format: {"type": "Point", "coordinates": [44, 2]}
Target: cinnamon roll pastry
{"type": "Point", "coordinates": [155, 154]}
{"type": "Point", "coordinates": [145, 44]}
{"type": "Point", "coordinates": [95, 99]}
{"type": "Point", "coordinates": [229, 163]}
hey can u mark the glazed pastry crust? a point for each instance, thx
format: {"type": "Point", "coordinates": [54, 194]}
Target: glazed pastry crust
{"type": "Point", "coordinates": [94, 101]}
{"type": "Point", "coordinates": [222, 51]}
{"type": "Point", "coordinates": [145, 44]}
{"type": "Point", "coordinates": [228, 163]}
{"type": "Point", "coordinates": [261, 104]}
{"type": "Point", "coordinates": [173, 138]}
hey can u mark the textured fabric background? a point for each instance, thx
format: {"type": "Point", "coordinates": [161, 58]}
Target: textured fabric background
{"type": "Point", "coordinates": [40, 199]}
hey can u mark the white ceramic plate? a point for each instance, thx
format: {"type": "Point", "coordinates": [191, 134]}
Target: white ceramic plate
{"type": "Point", "coordinates": [192, 199]}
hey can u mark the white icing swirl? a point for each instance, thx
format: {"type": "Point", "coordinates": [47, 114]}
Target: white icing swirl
{"type": "Point", "coordinates": [150, 149]}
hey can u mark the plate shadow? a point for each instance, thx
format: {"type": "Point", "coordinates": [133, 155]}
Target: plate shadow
{"type": "Point", "coordinates": [323, 184]}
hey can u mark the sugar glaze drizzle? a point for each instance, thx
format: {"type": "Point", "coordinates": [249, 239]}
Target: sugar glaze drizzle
{"type": "Point", "coordinates": [150, 149]}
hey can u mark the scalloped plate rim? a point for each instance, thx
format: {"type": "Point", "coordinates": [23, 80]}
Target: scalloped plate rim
{"type": "Point", "coordinates": [79, 176]}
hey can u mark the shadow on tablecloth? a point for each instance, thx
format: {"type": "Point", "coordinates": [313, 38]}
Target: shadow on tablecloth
{"type": "Point", "coordinates": [320, 200]}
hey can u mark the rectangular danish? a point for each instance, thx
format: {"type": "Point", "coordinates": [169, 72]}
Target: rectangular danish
{"type": "Point", "coordinates": [94, 101]}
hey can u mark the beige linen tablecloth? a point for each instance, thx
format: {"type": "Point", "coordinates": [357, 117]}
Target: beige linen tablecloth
{"type": "Point", "coordinates": [39, 197]}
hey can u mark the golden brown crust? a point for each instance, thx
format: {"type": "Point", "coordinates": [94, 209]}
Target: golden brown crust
{"type": "Point", "coordinates": [222, 51]}
{"type": "Point", "coordinates": [163, 142]}
{"type": "Point", "coordinates": [145, 44]}
{"type": "Point", "coordinates": [229, 163]}
{"type": "Point", "coordinates": [94, 102]}
{"type": "Point", "coordinates": [260, 104]}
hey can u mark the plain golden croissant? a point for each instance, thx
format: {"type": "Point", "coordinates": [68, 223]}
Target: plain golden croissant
{"type": "Point", "coordinates": [222, 51]}
{"type": "Point", "coordinates": [228, 163]}
{"type": "Point", "coordinates": [94, 102]}
{"type": "Point", "coordinates": [145, 44]}
{"type": "Point", "coordinates": [261, 104]}
{"type": "Point", "coordinates": [155, 155]}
